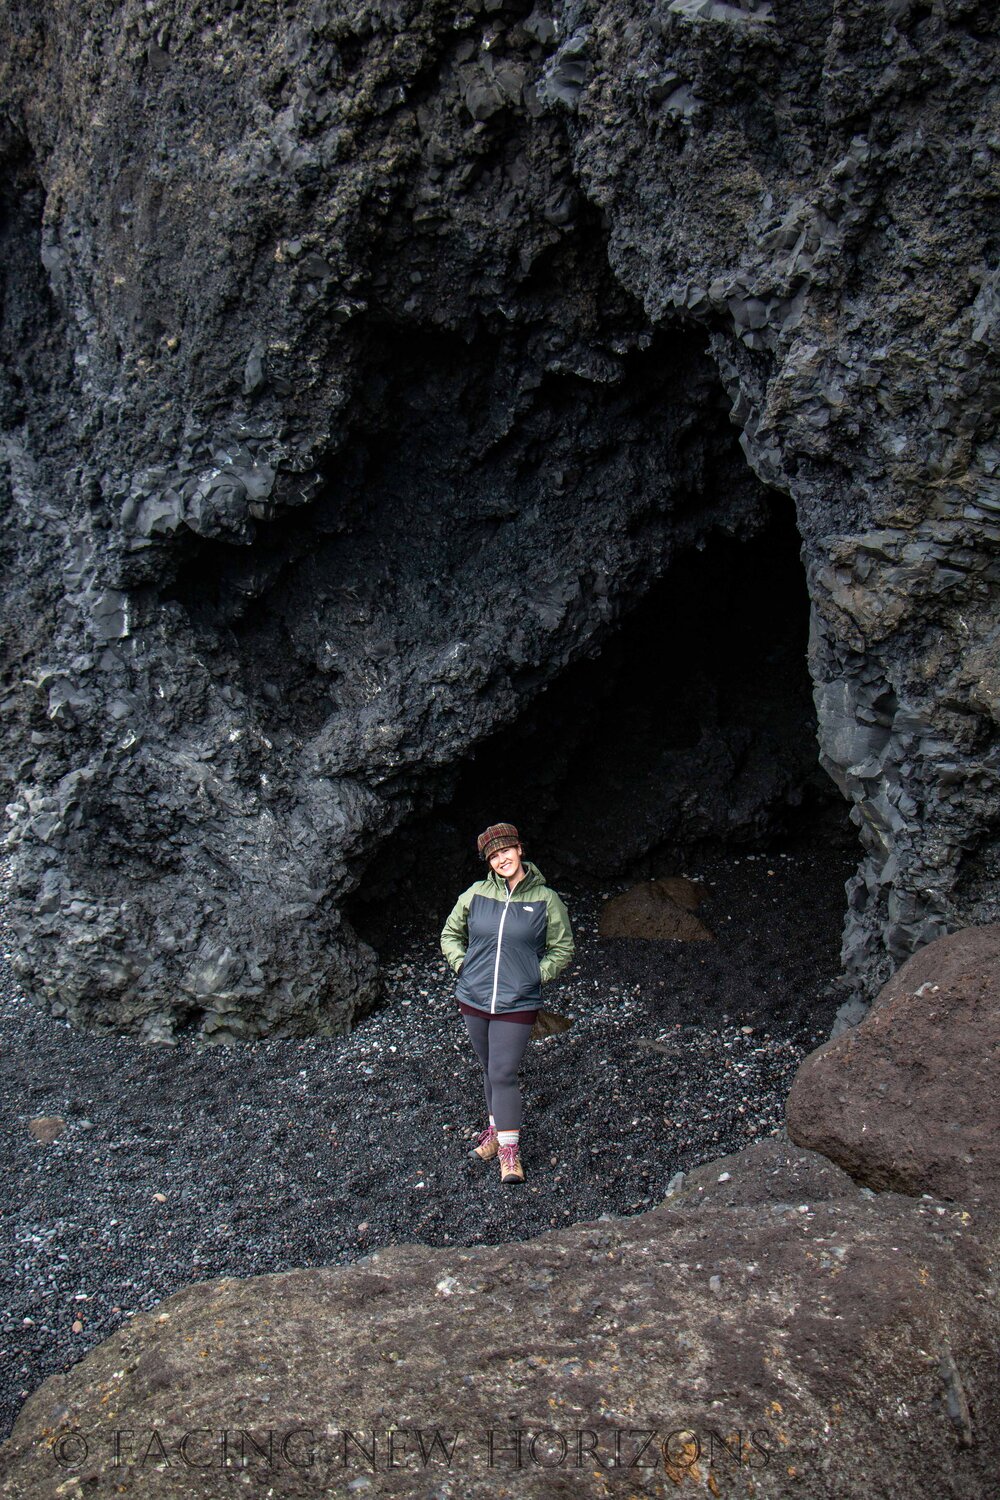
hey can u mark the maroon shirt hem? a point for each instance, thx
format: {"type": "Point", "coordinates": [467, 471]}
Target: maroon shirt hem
{"type": "Point", "coordinates": [526, 1017]}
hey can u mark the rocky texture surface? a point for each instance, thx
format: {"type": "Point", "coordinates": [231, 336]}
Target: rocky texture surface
{"type": "Point", "coordinates": [787, 1335]}
{"type": "Point", "coordinates": [364, 367]}
{"type": "Point", "coordinates": [891, 1100]}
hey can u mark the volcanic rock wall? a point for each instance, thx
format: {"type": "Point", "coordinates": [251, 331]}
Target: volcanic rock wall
{"type": "Point", "coordinates": [364, 365]}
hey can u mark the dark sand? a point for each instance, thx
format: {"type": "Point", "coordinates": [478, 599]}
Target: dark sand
{"type": "Point", "coordinates": [293, 1153]}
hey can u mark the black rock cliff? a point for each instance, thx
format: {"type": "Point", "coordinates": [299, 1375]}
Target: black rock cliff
{"type": "Point", "coordinates": [369, 369]}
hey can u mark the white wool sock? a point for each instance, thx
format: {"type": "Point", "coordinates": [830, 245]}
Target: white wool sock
{"type": "Point", "coordinates": [508, 1137]}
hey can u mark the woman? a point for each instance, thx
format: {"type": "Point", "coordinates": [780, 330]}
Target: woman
{"type": "Point", "coordinates": [506, 936]}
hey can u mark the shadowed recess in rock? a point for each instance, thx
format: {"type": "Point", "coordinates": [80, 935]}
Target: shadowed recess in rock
{"type": "Point", "coordinates": [476, 493]}
{"type": "Point", "coordinates": [689, 729]}
{"type": "Point", "coordinates": [484, 526]}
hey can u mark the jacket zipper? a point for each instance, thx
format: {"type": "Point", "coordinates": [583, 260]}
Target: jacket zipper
{"type": "Point", "coordinates": [503, 918]}
{"type": "Point", "coordinates": [496, 966]}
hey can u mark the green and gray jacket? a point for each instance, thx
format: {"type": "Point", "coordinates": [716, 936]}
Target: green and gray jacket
{"type": "Point", "coordinates": [505, 945]}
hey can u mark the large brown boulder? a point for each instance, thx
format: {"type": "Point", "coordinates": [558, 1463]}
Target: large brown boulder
{"type": "Point", "coordinates": [741, 1339]}
{"type": "Point", "coordinates": [908, 1099]}
{"type": "Point", "coordinates": [661, 909]}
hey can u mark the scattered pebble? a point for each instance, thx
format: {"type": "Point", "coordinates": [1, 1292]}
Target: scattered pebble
{"type": "Point", "coordinates": [45, 1128]}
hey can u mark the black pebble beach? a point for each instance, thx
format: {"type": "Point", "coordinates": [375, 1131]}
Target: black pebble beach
{"type": "Point", "coordinates": [186, 1163]}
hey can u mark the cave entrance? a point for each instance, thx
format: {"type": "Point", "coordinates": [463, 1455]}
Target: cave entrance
{"type": "Point", "coordinates": [634, 594]}
{"type": "Point", "coordinates": [689, 731]}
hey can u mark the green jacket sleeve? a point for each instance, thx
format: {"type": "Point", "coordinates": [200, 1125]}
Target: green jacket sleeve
{"type": "Point", "coordinates": [455, 934]}
{"type": "Point", "coordinates": [559, 945]}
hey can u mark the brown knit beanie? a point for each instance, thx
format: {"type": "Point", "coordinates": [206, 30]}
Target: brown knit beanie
{"type": "Point", "coordinates": [497, 836]}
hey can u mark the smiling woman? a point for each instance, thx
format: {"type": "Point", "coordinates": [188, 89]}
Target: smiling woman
{"type": "Point", "coordinates": [505, 936]}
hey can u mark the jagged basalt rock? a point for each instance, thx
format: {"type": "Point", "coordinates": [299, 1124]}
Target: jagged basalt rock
{"type": "Point", "coordinates": [321, 329]}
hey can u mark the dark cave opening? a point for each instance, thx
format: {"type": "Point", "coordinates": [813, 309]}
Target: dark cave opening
{"type": "Point", "coordinates": [667, 712]}
{"type": "Point", "coordinates": [690, 730]}
{"type": "Point", "coordinates": [463, 464]}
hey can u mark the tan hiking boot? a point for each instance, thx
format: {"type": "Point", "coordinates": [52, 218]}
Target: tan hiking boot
{"type": "Point", "coordinates": [511, 1170]}
{"type": "Point", "coordinates": [487, 1145]}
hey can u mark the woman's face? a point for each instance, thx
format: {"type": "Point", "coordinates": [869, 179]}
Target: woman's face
{"type": "Point", "coordinates": [507, 862]}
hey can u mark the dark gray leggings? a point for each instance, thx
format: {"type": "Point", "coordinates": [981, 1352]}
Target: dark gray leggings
{"type": "Point", "coordinates": [500, 1046]}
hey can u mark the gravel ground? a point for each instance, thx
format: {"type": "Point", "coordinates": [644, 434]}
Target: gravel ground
{"type": "Point", "coordinates": [188, 1163]}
